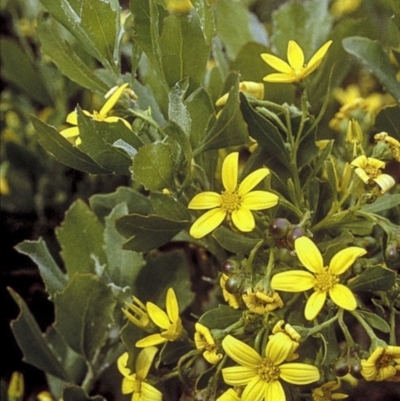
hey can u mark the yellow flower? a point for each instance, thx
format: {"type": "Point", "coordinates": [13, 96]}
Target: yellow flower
{"type": "Point", "coordinates": [260, 302]}
{"type": "Point", "coordinates": [236, 202]}
{"type": "Point", "coordinates": [255, 89]}
{"type": "Point", "coordinates": [135, 382]}
{"type": "Point", "coordinates": [16, 387]}
{"type": "Point", "coordinates": [369, 170]}
{"type": "Point", "coordinates": [392, 143]}
{"type": "Point", "coordinates": [137, 314]}
{"type": "Point", "coordinates": [179, 6]}
{"type": "Point", "coordinates": [342, 7]}
{"type": "Point", "coordinates": [295, 70]}
{"type": "Point", "coordinates": [170, 322]}
{"type": "Point", "coordinates": [262, 374]}
{"type": "Point", "coordinates": [102, 115]}
{"type": "Point", "coordinates": [354, 134]}
{"type": "Point", "coordinates": [383, 364]}
{"type": "Point", "coordinates": [233, 300]}
{"type": "Point", "coordinates": [293, 337]}
{"type": "Point", "coordinates": [324, 392]}
{"type": "Point", "coordinates": [205, 341]}
{"type": "Point", "coordinates": [324, 280]}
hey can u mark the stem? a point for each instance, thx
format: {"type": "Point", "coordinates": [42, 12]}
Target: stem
{"type": "Point", "coordinates": [375, 341]}
{"type": "Point", "coordinates": [392, 320]}
{"type": "Point", "coordinates": [322, 326]}
{"type": "Point", "coordinates": [349, 339]}
{"type": "Point", "coordinates": [253, 253]}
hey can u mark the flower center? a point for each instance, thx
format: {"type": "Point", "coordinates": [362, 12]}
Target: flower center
{"type": "Point", "coordinates": [325, 280]}
{"type": "Point", "coordinates": [325, 396]}
{"type": "Point", "coordinates": [384, 361]}
{"type": "Point", "coordinates": [372, 171]}
{"type": "Point", "coordinates": [268, 371]}
{"type": "Point", "coordinates": [231, 201]}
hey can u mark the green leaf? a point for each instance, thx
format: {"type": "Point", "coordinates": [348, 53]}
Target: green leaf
{"type": "Point", "coordinates": [102, 205]}
{"type": "Point", "coordinates": [177, 110]}
{"type": "Point", "coordinates": [308, 22]}
{"type": "Point", "coordinates": [53, 277]}
{"type": "Point", "coordinates": [184, 50]}
{"type": "Point", "coordinates": [153, 166]}
{"type": "Point", "coordinates": [65, 57]}
{"type": "Point", "coordinates": [19, 70]}
{"type": "Point", "coordinates": [229, 128]}
{"type": "Point", "coordinates": [62, 150]}
{"type": "Point", "coordinates": [371, 54]}
{"type": "Point", "coordinates": [122, 265]}
{"type": "Point", "coordinates": [75, 393]}
{"type": "Point", "coordinates": [233, 25]}
{"type": "Point", "coordinates": [98, 138]}
{"type": "Point", "coordinates": [374, 278]}
{"type": "Point", "coordinates": [32, 343]}
{"type": "Point", "coordinates": [168, 207]}
{"type": "Point", "coordinates": [375, 321]}
{"type": "Point", "coordinates": [81, 239]}
{"type": "Point", "coordinates": [148, 232]}
{"type": "Point", "coordinates": [84, 313]}
{"type": "Point", "coordinates": [385, 202]}
{"type": "Point", "coordinates": [266, 133]}
{"type": "Point", "coordinates": [234, 242]}
{"type": "Point", "coordinates": [173, 351]}
{"type": "Point", "coordinates": [388, 120]}
{"type": "Point", "coordinates": [221, 317]}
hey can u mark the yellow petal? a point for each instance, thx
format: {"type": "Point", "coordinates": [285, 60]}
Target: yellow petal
{"type": "Point", "coordinates": [255, 390]}
{"type": "Point", "coordinates": [243, 220]}
{"type": "Point", "coordinates": [149, 341]}
{"type": "Point", "coordinates": [208, 222]}
{"type": "Point", "coordinates": [222, 100]}
{"type": "Point", "coordinates": [345, 258]}
{"type": "Point", "coordinates": [317, 58]}
{"type": "Point", "coordinates": [281, 78]}
{"type": "Point", "coordinates": [299, 373]}
{"type": "Point", "coordinates": [376, 162]}
{"type": "Point", "coordinates": [230, 171]}
{"type": "Point", "coordinates": [172, 306]}
{"type": "Point", "coordinates": [112, 100]}
{"type": "Point", "coordinates": [144, 360]}
{"type": "Point", "coordinates": [121, 363]}
{"type": "Point", "coordinates": [205, 200]}
{"type": "Point", "coordinates": [293, 281]}
{"type": "Point", "coordinates": [360, 161]}
{"type": "Point", "coordinates": [277, 63]}
{"type": "Point", "coordinates": [259, 200]}
{"type": "Point", "coordinates": [343, 297]}
{"type": "Point", "coordinates": [314, 304]}
{"type": "Point", "coordinates": [295, 55]}
{"type": "Point", "coordinates": [70, 132]}
{"type": "Point", "coordinates": [114, 119]}
{"type": "Point", "coordinates": [274, 391]}
{"type": "Point", "coordinates": [362, 175]}
{"type": "Point", "coordinates": [278, 348]}
{"type": "Point", "coordinates": [157, 315]}
{"type": "Point", "coordinates": [339, 396]}
{"type": "Point", "coordinates": [241, 353]}
{"type": "Point", "coordinates": [385, 182]}
{"type": "Point", "coordinates": [252, 180]}
{"type": "Point", "coordinates": [72, 118]}
{"type": "Point", "coordinates": [150, 393]}
{"type": "Point", "coordinates": [229, 395]}
{"type": "Point", "coordinates": [129, 384]}
{"type": "Point", "coordinates": [238, 375]}
{"type": "Point", "coordinates": [309, 254]}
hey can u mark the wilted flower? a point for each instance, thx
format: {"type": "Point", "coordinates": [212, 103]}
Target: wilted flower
{"type": "Point", "coordinates": [324, 392]}
{"type": "Point", "coordinates": [170, 322]}
{"type": "Point", "coordinates": [204, 340]}
{"type": "Point", "coordinates": [292, 335]}
{"type": "Point", "coordinates": [236, 201]}
{"type": "Point", "coordinates": [137, 313]}
{"type": "Point", "coordinates": [233, 300]}
{"type": "Point", "coordinates": [102, 115]}
{"type": "Point", "coordinates": [369, 170]}
{"type": "Point", "coordinates": [324, 280]}
{"type": "Point", "coordinates": [262, 374]}
{"type": "Point", "coordinates": [136, 382]}
{"type": "Point", "coordinates": [383, 364]}
{"type": "Point", "coordinates": [260, 302]}
{"type": "Point", "coordinates": [296, 70]}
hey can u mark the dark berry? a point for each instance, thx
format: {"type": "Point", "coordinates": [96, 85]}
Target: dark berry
{"type": "Point", "coordinates": [279, 228]}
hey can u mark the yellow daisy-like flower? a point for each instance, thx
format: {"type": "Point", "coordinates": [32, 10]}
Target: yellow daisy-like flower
{"type": "Point", "coordinates": [369, 170]}
{"type": "Point", "coordinates": [324, 280]}
{"type": "Point", "coordinates": [260, 302]}
{"type": "Point", "coordinates": [296, 70]}
{"type": "Point", "coordinates": [255, 89]}
{"type": "Point", "coordinates": [170, 322]}
{"type": "Point", "coordinates": [292, 335]}
{"type": "Point", "coordinates": [204, 340]}
{"type": "Point", "coordinates": [102, 115]}
{"type": "Point", "coordinates": [324, 392]}
{"type": "Point", "coordinates": [383, 364]}
{"type": "Point", "coordinates": [137, 314]}
{"type": "Point", "coordinates": [135, 382]}
{"type": "Point", "coordinates": [262, 374]}
{"type": "Point", "coordinates": [236, 202]}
